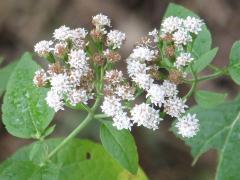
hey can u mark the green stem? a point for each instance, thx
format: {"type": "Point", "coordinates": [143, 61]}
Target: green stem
{"type": "Point", "coordinates": [100, 116]}
{"type": "Point", "coordinates": [194, 84]}
{"type": "Point", "coordinates": [211, 76]}
{"type": "Point", "coordinates": [83, 124]}
{"type": "Point", "coordinates": [71, 135]}
{"type": "Point", "coordinates": [215, 68]}
{"type": "Point", "coordinates": [207, 77]}
{"type": "Point", "coordinates": [191, 91]}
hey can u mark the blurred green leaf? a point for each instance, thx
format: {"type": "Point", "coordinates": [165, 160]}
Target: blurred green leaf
{"type": "Point", "coordinates": [204, 60]}
{"type": "Point", "coordinates": [219, 129]}
{"type": "Point", "coordinates": [208, 99]}
{"type": "Point", "coordinates": [49, 131]}
{"type": "Point", "coordinates": [121, 145]}
{"type": "Point", "coordinates": [80, 159]}
{"type": "Point", "coordinates": [5, 73]}
{"type": "Point", "coordinates": [25, 112]}
{"type": "Point", "coordinates": [1, 60]}
{"type": "Point", "coordinates": [234, 65]}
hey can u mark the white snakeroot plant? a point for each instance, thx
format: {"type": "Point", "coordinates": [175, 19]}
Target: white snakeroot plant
{"type": "Point", "coordinates": [82, 74]}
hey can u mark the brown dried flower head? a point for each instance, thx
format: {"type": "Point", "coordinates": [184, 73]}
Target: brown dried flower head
{"type": "Point", "coordinates": [96, 35]}
{"type": "Point", "coordinates": [40, 78]}
{"type": "Point", "coordinates": [170, 51]}
{"type": "Point", "coordinates": [98, 59]}
{"type": "Point", "coordinates": [154, 73]}
{"type": "Point", "coordinates": [60, 49]}
{"type": "Point", "coordinates": [167, 37]}
{"type": "Point", "coordinates": [113, 56]}
{"type": "Point", "coordinates": [175, 76]}
{"type": "Point", "coordinates": [55, 68]}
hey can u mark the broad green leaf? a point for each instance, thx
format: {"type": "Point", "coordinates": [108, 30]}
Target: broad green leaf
{"type": "Point", "coordinates": [79, 159]}
{"type": "Point", "coordinates": [49, 131]}
{"type": "Point", "coordinates": [207, 99]}
{"type": "Point", "coordinates": [219, 129]}
{"type": "Point", "coordinates": [204, 60]}
{"type": "Point", "coordinates": [5, 73]}
{"type": "Point", "coordinates": [25, 112]}
{"type": "Point", "coordinates": [234, 65]}
{"type": "Point", "coordinates": [17, 170]}
{"type": "Point", "coordinates": [121, 145]}
{"type": "Point", "coordinates": [203, 42]}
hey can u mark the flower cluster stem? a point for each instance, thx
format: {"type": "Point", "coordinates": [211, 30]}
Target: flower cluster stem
{"type": "Point", "coordinates": [83, 124]}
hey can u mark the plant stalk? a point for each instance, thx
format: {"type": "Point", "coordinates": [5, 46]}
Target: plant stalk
{"type": "Point", "coordinates": [83, 124]}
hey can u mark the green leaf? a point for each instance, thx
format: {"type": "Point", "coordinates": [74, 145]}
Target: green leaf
{"type": "Point", "coordinates": [121, 145]}
{"type": "Point", "coordinates": [234, 65]}
{"type": "Point", "coordinates": [79, 159]}
{"type": "Point", "coordinates": [204, 60]}
{"type": "Point", "coordinates": [25, 112]}
{"type": "Point", "coordinates": [207, 99]}
{"type": "Point", "coordinates": [5, 73]}
{"type": "Point", "coordinates": [17, 170]}
{"type": "Point", "coordinates": [203, 41]}
{"type": "Point", "coordinates": [1, 60]}
{"type": "Point", "coordinates": [49, 131]}
{"type": "Point", "coordinates": [179, 11]}
{"type": "Point", "coordinates": [219, 129]}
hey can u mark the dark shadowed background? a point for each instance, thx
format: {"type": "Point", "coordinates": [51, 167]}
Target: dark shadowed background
{"type": "Point", "coordinates": [162, 155]}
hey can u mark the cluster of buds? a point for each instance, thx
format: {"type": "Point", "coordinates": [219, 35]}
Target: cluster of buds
{"type": "Point", "coordinates": [80, 62]}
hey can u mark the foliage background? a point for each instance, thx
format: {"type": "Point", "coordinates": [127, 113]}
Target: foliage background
{"type": "Point", "coordinates": [162, 155]}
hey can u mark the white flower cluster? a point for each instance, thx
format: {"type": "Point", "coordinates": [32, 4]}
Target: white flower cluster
{"type": "Point", "coordinates": [182, 60]}
{"type": "Point", "coordinates": [40, 79]}
{"type": "Point", "coordinates": [181, 29]}
{"type": "Point", "coordinates": [74, 66]}
{"type": "Point", "coordinates": [137, 67]}
{"type": "Point", "coordinates": [43, 47]}
{"type": "Point", "coordinates": [100, 21]}
{"type": "Point", "coordinates": [188, 125]}
{"type": "Point", "coordinates": [145, 115]}
{"type": "Point", "coordinates": [162, 96]}
{"type": "Point", "coordinates": [65, 81]}
{"type": "Point", "coordinates": [154, 33]}
{"type": "Point", "coordinates": [64, 33]}
{"type": "Point", "coordinates": [115, 39]}
{"type": "Point", "coordinates": [116, 91]}
{"type": "Point", "coordinates": [112, 107]}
